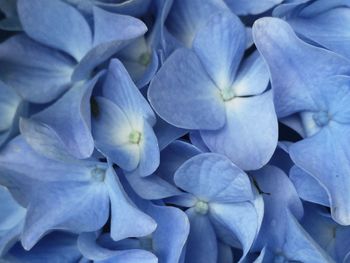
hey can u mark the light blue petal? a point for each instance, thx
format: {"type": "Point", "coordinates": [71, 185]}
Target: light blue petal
{"type": "Point", "coordinates": [233, 217]}
{"type": "Point", "coordinates": [326, 29]}
{"type": "Point", "coordinates": [66, 122]}
{"type": "Point", "coordinates": [171, 234]}
{"type": "Point", "coordinates": [112, 33]}
{"type": "Point", "coordinates": [279, 196]}
{"type": "Point", "coordinates": [94, 251]}
{"type": "Point", "coordinates": [302, 65]}
{"type": "Point", "coordinates": [111, 130]}
{"type": "Point", "coordinates": [328, 144]}
{"type": "Point", "coordinates": [56, 24]}
{"type": "Point", "coordinates": [183, 94]}
{"type": "Point", "coordinates": [110, 27]}
{"type": "Point", "coordinates": [197, 140]}
{"type": "Point", "coordinates": [24, 64]}
{"type": "Point", "coordinates": [242, 7]}
{"type": "Point", "coordinates": [127, 220]}
{"type": "Point", "coordinates": [300, 246]}
{"type": "Point", "coordinates": [151, 187]}
{"type": "Point", "coordinates": [308, 188]}
{"type": "Point", "coordinates": [18, 159]}
{"type": "Point", "coordinates": [11, 212]}
{"type": "Point", "coordinates": [120, 88]}
{"type": "Point", "coordinates": [253, 76]}
{"type": "Point", "coordinates": [173, 156]}
{"type": "Point", "coordinates": [133, 8]}
{"type": "Point", "coordinates": [249, 137]}
{"type": "Point", "coordinates": [72, 206]}
{"type": "Point", "coordinates": [318, 7]}
{"type": "Point", "coordinates": [9, 102]}
{"type": "Point", "coordinates": [333, 238]}
{"type": "Point", "coordinates": [199, 176]}
{"type": "Point", "coordinates": [167, 133]}
{"type": "Point", "coordinates": [202, 245]}
{"type": "Point", "coordinates": [149, 151]}
{"type": "Point", "coordinates": [220, 45]}
{"type": "Point", "coordinates": [187, 16]}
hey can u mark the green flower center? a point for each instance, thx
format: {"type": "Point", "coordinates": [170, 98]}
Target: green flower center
{"type": "Point", "coordinates": [134, 137]}
{"type": "Point", "coordinates": [145, 59]}
{"type": "Point", "coordinates": [201, 207]}
{"type": "Point", "coordinates": [227, 94]}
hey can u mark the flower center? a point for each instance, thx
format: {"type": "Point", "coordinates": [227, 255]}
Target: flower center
{"type": "Point", "coordinates": [134, 137]}
{"type": "Point", "coordinates": [201, 207]}
{"type": "Point", "coordinates": [227, 94]}
{"type": "Point", "coordinates": [144, 59]}
{"type": "Point", "coordinates": [98, 174]}
{"type": "Point", "coordinates": [321, 118]}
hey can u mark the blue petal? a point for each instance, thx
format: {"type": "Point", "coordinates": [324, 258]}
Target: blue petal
{"type": "Point", "coordinates": [279, 196]}
{"type": "Point", "coordinates": [24, 64]}
{"type": "Point", "coordinates": [167, 133]}
{"type": "Point", "coordinates": [171, 234]}
{"type": "Point", "coordinates": [56, 24]}
{"type": "Point", "coordinates": [253, 76]}
{"type": "Point", "coordinates": [151, 187]}
{"type": "Point", "coordinates": [110, 27]}
{"type": "Point", "coordinates": [249, 137]}
{"type": "Point", "coordinates": [225, 254]}
{"type": "Point", "coordinates": [111, 130]}
{"type": "Point", "coordinates": [197, 140]}
{"type": "Point", "coordinates": [326, 29]}
{"type": "Point", "coordinates": [328, 144]}
{"type": "Point", "coordinates": [233, 217]}
{"type": "Point", "coordinates": [56, 247]}
{"type": "Point", "coordinates": [93, 251]}
{"type": "Point", "coordinates": [119, 88]}
{"type": "Point", "coordinates": [201, 245]}
{"type": "Point", "coordinates": [127, 220]}
{"type": "Point", "coordinates": [308, 187]}
{"type": "Point", "coordinates": [220, 45]}
{"type": "Point", "coordinates": [183, 94]}
{"type": "Point", "coordinates": [112, 33]}
{"type": "Point", "coordinates": [173, 156]}
{"type": "Point", "coordinates": [186, 17]}
{"type": "Point", "coordinates": [133, 8]}
{"type": "Point", "coordinates": [198, 176]}
{"type": "Point", "coordinates": [9, 102]}
{"type": "Point", "coordinates": [253, 7]}
{"type": "Point", "coordinates": [149, 151]}
{"type": "Point", "coordinates": [72, 206]}
{"type": "Point", "coordinates": [302, 65]}
{"type": "Point", "coordinates": [66, 122]}
{"type": "Point", "coordinates": [300, 246]}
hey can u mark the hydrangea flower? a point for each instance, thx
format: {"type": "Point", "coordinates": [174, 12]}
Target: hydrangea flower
{"type": "Point", "coordinates": [207, 91]}
{"type": "Point", "coordinates": [317, 97]}
{"type": "Point", "coordinates": [68, 194]}
{"type": "Point", "coordinates": [216, 204]}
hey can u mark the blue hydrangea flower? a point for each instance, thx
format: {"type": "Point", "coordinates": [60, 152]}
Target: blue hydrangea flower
{"type": "Point", "coordinates": [281, 237]}
{"type": "Point", "coordinates": [321, 22]}
{"type": "Point", "coordinates": [122, 124]}
{"type": "Point", "coordinates": [11, 220]}
{"type": "Point", "coordinates": [66, 49]}
{"type": "Point", "coordinates": [315, 96]}
{"type": "Point", "coordinates": [220, 199]}
{"type": "Point", "coordinates": [205, 89]}
{"type": "Point", "coordinates": [68, 194]}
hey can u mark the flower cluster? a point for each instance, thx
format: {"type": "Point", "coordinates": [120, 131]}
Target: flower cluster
{"type": "Point", "coordinates": [175, 131]}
